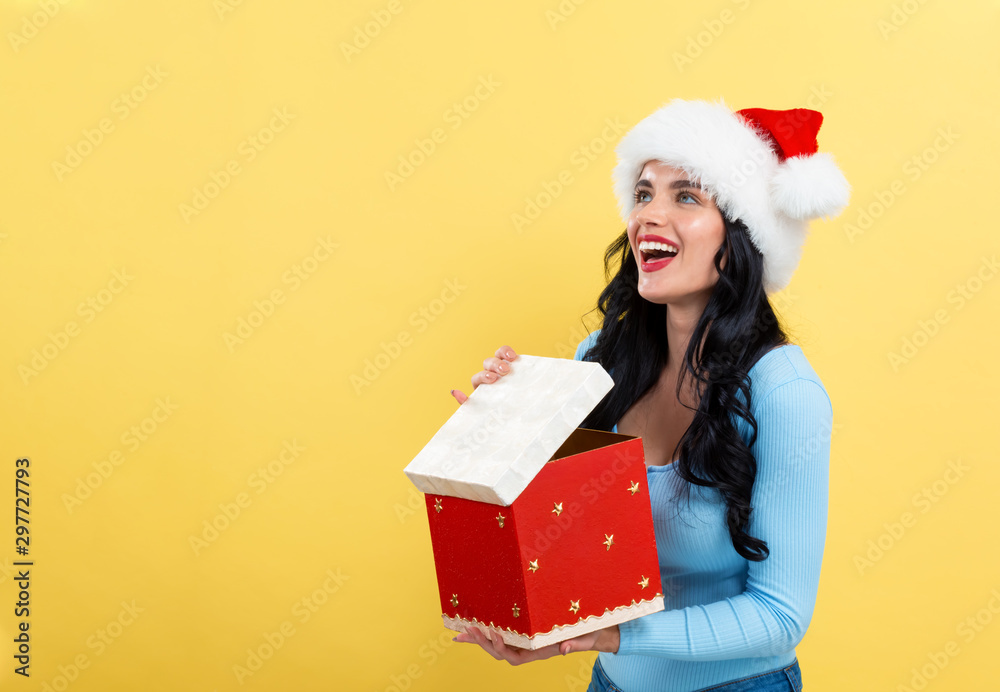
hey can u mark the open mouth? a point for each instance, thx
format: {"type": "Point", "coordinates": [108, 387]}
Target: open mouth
{"type": "Point", "coordinates": [651, 251]}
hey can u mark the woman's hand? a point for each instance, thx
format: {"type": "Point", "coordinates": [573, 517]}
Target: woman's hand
{"type": "Point", "coordinates": [493, 369]}
{"type": "Point", "coordinates": [606, 639]}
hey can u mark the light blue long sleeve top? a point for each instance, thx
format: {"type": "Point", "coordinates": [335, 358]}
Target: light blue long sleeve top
{"type": "Point", "coordinates": [726, 617]}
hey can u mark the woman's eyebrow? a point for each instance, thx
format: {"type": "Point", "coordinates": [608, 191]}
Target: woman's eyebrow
{"type": "Point", "coordinates": [677, 184]}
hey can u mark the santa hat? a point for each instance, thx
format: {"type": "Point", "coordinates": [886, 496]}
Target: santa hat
{"type": "Point", "coordinates": [760, 166]}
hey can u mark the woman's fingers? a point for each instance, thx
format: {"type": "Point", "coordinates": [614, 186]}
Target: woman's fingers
{"type": "Point", "coordinates": [501, 360]}
{"type": "Point", "coordinates": [492, 642]}
{"type": "Point", "coordinates": [484, 642]}
{"type": "Point", "coordinates": [493, 369]}
{"type": "Point", "coordinates": [516, 656]}
{"type": "Point", "coordinates": [506, 352]}
{"type": "Point", "coordinates": [464, 637]}
{"type": "Point", "coordinates": [497, 366]}
{"type": "Point", "coordinates": [484, 377]}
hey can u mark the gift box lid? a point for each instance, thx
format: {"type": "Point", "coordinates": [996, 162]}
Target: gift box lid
{"type": "Point", "coordinates": [498, 440]}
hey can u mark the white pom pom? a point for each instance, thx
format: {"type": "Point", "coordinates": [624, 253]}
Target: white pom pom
{"type": "Point", "coordinates": [808, 187]}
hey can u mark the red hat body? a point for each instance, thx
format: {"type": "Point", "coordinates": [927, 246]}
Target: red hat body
{"type": "Point", "coordinates": [793, 131]}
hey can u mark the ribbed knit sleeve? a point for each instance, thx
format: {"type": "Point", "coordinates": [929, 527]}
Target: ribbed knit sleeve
{"type": "Point", "coordinates": [789, 502]}
{"type": "Point", "coordinates": [582, 347]}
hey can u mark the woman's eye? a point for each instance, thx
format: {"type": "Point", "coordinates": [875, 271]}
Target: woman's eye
{"type": "Point", "coordinates": [688, 195]}
{"type": "Point", "coordinates": [639, 194]}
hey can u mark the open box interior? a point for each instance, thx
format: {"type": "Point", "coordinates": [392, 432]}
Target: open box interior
{"type": "Point", "coordinates": [586, 440]}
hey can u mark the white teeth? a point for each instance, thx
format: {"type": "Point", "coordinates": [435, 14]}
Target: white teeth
{"type": "Point", "coordinates": [648, 245]}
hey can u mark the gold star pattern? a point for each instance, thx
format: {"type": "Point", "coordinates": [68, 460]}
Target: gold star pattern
{"type": "Point", "coordinates": [634, 487]}
{"type": "Point", "coordinates": [454, 600]}
{"type": "Point", "coordinates": [517, 611]}
{"type": "Point", "coordinates": [437, 504]}
{"type": "Point", "coordinates": [609, 540]}
{"type": "Point", "coordinates": [644, 582]}
{"type": "Point", "coordinates": [533, 565]}
{"type": "Point", "coordinates": [499, 517]}
{"type": "Point", "coordinates": [574, 606]}
{"type": "Point", "coordinates": [558, 508]}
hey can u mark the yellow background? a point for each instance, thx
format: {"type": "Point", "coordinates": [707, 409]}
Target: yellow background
{"type": "Point", "coordinates": [888, 78]}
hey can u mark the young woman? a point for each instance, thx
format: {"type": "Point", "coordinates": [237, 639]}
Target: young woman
{"type": "Point", "coordinates": [735, 422]}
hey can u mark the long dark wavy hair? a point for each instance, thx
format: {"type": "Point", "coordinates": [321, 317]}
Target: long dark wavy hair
{"type": "Point", "coordinates": [738, 326]}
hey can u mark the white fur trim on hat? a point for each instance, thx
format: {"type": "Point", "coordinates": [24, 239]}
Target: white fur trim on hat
{"type": "Point", "coordinates": [742, 172]}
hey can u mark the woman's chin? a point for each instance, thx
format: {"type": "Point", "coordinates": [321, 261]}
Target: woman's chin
{"type": "Point", "coordinates": [653, 293]}
{"type": "Point", "coordinates": [663, 292]}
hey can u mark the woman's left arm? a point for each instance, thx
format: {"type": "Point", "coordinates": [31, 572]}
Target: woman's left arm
{"type": "Point", "coordinates": [789, 500]}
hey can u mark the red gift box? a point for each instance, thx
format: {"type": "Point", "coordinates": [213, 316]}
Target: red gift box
{"type": "Point", "coordinates": [539, 528]}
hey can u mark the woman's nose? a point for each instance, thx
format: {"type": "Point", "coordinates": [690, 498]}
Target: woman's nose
{"type": "Point", "coordinates": [653, 213]}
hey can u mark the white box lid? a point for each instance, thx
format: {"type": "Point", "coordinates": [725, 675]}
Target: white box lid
{"type": "Point", "coordinates": [495, 443]}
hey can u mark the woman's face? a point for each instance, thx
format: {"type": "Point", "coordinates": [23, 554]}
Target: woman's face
{"type": "Point", "coordinates": [670, 211]}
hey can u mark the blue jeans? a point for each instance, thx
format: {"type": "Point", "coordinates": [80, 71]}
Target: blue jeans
{"type": "Point", "coordinates": [788, 679]}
